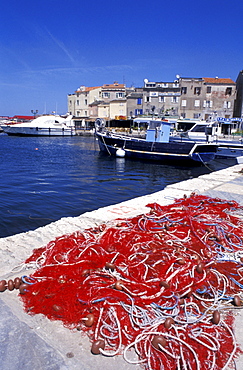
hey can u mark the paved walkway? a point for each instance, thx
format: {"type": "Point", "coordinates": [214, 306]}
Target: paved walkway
{"type": "Point", "coordinates": [35, 343]}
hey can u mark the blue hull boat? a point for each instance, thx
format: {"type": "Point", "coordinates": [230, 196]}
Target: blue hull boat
{"type": "Point", "coordinates": [156, 147]}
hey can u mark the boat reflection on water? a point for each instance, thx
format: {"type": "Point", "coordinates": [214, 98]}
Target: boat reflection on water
{"type": "Point", "coordinates": [120, 164]}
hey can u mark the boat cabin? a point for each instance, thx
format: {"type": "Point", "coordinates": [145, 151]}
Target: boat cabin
{"type": "Point", "coordinates": [204, 130]}
{"type": "Point", "coordinates": [157, 130]}
{"type": "Point", "coordinates": [201, 130]}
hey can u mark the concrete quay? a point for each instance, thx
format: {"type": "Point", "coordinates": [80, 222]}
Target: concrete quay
{"type": "Point", "coordinates": [35, 343]}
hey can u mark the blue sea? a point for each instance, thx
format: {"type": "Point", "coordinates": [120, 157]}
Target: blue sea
{"type": "Point", "coordinates": [46, 178]}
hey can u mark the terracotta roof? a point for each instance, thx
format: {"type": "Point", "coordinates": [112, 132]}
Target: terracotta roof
{"type": "Point", "coordinates": [92, 88]}
{"type": "Point", "coordinates": [113, 86]}
{"type": "Point", "coordinates": [87, 89]}
{"type": "Point", "coordinates": [215, 80]}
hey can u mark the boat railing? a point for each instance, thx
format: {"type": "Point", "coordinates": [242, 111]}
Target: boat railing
{"type": "Point", "coordinates": [121, 136]}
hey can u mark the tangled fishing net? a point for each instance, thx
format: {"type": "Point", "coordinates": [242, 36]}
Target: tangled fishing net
{"type": "Point", "coordinates": [161, 285]}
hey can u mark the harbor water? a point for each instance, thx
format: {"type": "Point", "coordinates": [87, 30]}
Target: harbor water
{"type": "Point", "coordinates": [46, 178]}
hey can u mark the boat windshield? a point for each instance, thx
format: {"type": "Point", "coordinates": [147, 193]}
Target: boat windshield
{"type": "Point", "coordinates": [154, 124]}
{"type": "Point", "coordinates": [199, 128]}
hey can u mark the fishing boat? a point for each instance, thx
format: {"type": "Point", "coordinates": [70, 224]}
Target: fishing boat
{"type": "Point", "coordinates": [229, 146]}
{"type": "Point", "coordinates": [46, 125]}
{"type": "Point", "coordinates": [157, 146]}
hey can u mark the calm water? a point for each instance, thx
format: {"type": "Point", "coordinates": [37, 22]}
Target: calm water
{"type": "Point", "coordinates": [44, 179]}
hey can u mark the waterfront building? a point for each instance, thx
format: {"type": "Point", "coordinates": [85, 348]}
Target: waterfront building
{"type": "Point", "coordinates": [134, 99]}
{"type": "Point", "coordinates": [93, 102]}
{"type": "Point", "coordinates": [112, 101]}
{"type": "Point", "coordinates": [238, 111]}
{"type": "Point", "coordinates": [160, 98]}
{"type": "Point", "coordinates": [204, 97]}
{"type": "Point", "coordinates": [78, 103]}
{"type": "Point", "coordinates": [185, 97]}
{"type": "Point", "coordinates": [113, 91]}
{"type": "Point", "coordinates": [118, 108]}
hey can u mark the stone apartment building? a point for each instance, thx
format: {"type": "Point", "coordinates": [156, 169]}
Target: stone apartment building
{"type": "Point", "coordinates": [184, 97]}
{"type": "Point", "coordinates": [161, 98]}
{"type": "Point", "coordinates": [113, 98]}
{"type": "Point", "coordinates": [79, 102]}
{"type": "Point", "coordinates": [238, 111]}
{"type": "Point", "coordinates": [107, 101]}
{"type": "Point", "coordinates": [134, 99]}
{"type": "Point", "coordinates": [205, 97]}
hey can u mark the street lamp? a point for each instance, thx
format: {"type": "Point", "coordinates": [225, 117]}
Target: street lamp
{"type": "Point", "coordinates": [34, 112]}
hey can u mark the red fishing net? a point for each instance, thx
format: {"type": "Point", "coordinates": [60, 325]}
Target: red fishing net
{"type": "Point", "coordinates": [161, 285]}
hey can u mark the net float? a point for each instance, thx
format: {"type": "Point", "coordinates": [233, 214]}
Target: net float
{"type": "Point", "coordinates": [10, 285]}
{"type": "Point", "coordinates": [17, 282]}
{"type": "Point", "coordinates": [237, 301]}
{"type": "Point", "coordinates": [88, 320]}
{"type": "Point", "coordinates": [216, 317]}
{"type": "Point", "coordinates": [168, 322]}
{"type": "Point", "coordinates": [3, 285]}
{"type": "Point", "coordinates": [110, 266]}
{"type": "Point", "coordinates": [118, 285]}
{"type": "Point", "coordinates": [23, 288]}
{"type": "Point", "coordinates": [195, 257]}
{"type": "Point", "coordinates": [97, 345]}
{"type": "Point", "coordinates": [215, 237]}
{"type": "Point", "coordinates": [181, 260]}
{"type": "Point", "coordinates": [158, 341]}
{"type": "Point", "coordinates": [164, 284]}
{"type": "Point", "coordinates": [199, 268]}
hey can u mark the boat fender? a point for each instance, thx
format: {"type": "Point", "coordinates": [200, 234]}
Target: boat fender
{"type": "Point", "coordinates": [120, 153]}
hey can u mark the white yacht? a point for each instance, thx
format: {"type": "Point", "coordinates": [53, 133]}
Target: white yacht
{"type": "Point", "coordinates": [46, 125]}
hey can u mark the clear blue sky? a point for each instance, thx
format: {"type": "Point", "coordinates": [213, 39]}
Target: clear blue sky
{"type": "Point", "coordinates": [48, 48]}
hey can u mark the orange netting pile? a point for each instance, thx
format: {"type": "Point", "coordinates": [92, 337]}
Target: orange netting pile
{"type": "Point", "coordinates": [161, 285]}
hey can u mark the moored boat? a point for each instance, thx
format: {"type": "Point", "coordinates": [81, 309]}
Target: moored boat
{"type": "Point", "coordinates": [46, 125]}
{"type": "Point", "coordinates": [229, 146]}
{"type": "Point", "coordinates": [158, 145]}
